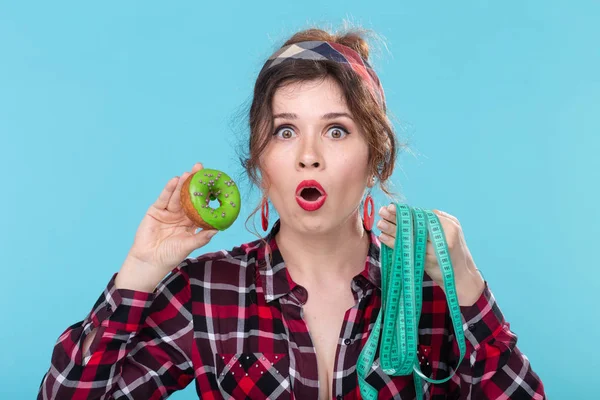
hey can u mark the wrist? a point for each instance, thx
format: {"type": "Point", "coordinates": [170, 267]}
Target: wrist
{"type": "Point", "coordinates": [469, 288]}
{"type": "Point", "coordinates": [137, 275]}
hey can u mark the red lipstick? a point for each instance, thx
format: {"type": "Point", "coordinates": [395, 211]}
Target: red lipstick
{"type": "Point", "coordinates": [310, 204]}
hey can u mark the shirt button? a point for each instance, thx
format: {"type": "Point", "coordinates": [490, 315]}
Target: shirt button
{"type": "Point", "coordinates": [347, 341]}
{"type": "Point", "coordinates": [339, 397]}
{"type": "Point", "coordinates": [471, 327]}
{"type": "Point", "coordinates": [108, 308]}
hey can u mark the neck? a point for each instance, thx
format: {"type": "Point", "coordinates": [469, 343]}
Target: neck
{"type": "Point", "coordinates": [338, 253]}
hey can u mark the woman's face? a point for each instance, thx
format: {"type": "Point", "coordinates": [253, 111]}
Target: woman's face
{"type": "Point", "coordinates": [315, 138]}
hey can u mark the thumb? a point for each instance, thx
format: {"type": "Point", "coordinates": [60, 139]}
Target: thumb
{"type": "Point", "coordinates": [199, 239]}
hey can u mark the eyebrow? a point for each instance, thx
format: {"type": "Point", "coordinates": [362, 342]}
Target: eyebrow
{"type": "Point", "coordinates": [331, 115]}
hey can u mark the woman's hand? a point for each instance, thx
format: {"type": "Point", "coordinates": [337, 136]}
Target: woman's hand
{"type": "Point", "coordinates": [165, 237]}
{"type": "Point", "coordinates": [469, 283]}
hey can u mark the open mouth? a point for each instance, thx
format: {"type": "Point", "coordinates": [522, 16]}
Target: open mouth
{"type": "Point", "coordinates": [310, 194]}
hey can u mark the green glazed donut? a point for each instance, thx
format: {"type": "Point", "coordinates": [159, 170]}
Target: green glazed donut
{"type": "Point", "coordinates": [207, 185]}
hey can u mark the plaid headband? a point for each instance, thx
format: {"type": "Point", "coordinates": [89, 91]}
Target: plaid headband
{"type": "Point", "coordinates": [321, 50]}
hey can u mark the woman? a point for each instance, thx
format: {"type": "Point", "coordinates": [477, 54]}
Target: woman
{"type": "Point", "coordinates": [286, 316]}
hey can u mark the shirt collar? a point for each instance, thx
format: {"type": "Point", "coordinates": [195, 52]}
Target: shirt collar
{"type": "Point", "coordinates": [276, 280]}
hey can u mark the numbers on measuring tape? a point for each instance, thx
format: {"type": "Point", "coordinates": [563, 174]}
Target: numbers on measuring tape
{"type": "Point", "coordinates": [402, 270]}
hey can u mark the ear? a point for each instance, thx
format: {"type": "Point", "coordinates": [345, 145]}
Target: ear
{"type": "Point", "coordinates": [264, 181]}
{"type": "Point", "coordinates": [371, 181]}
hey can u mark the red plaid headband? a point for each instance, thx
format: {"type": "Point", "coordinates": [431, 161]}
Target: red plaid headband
{"type": "Point", "coordinates": [321, 50]}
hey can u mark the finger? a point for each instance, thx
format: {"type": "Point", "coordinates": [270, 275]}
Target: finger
{"type": "Point", "coordinates": [430, 251]}
{"type": "Point", "coordinates": [163, 199]}
{"type": "Point", "coordinates": [388, 219]}
{"type": "Point", "coordinates": [174, 202]}
{"type": "Point", "coordinates": [197, 240]}
{"type": "Point", "coordinates": [387, 215]}
{"type": "Point", "coordinates": [387, 239]}
{"type": "Point", "coordinates": [387, 227]}
{"type": "Point", "coordinates": [197, 167]}
{"type": "Point", "coordinates": [446, 215]}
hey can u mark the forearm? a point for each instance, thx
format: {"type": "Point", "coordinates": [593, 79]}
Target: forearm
{"type": "Point", "coordinates": [493, 365]}
{"type": "Point", "coordinates": [113, 321]}
{"type": "Point", "coordinates": [77, 374]}
{"type": "Point", "coordinates": [88, 341]}
{"type": "Point", "coordinates": [133, 275]}
{"type": "Point", "coordinates": [139, 276]}
{"type": "Point", "coordinates": [469, 288]}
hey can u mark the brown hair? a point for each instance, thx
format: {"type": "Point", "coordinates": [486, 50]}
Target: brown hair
{"type": "Point", "coordinates": [369, 115]}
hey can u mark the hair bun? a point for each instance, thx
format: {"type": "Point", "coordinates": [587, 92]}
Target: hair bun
{"type": "Point", "coordinates": [355, 42]}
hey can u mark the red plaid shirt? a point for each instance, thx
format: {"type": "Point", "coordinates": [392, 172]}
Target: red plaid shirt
{"type": "Point", "coordinates": [232, 323]}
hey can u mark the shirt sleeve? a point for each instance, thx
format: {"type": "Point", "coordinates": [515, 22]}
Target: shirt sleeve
{"type": "Point", "coordinates": [141, 349]}
{"type": "Point", "coordinates": [493, 366]}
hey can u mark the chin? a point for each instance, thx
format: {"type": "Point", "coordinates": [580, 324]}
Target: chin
{"type": "Point", "coordinates": [313, 225]}
{"type": "Point", "coordinates": [310, 223]}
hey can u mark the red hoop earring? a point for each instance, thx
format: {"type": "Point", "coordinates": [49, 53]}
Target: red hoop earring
{"type": "Point", "coordinates": [265, 214]}
{"type": "Point", "coordinates": [368, 218]}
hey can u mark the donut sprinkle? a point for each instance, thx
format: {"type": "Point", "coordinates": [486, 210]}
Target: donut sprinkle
{"type": "Point", "coordinates": [208, 185]}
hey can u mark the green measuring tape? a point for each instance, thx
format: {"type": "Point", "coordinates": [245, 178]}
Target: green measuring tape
{"type": "Point", "coordinates": [401, 284]}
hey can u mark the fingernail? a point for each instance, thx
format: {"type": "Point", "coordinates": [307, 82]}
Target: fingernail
{"type": "Point", "coordinates": [211, 234]}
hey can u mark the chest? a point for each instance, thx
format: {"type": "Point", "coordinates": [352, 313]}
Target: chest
{"type": "Point", "coordinates": [288, 348]}
{"type": "Point", "coordinates": [324, 315]}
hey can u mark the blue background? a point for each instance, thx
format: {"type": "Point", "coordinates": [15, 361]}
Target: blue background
{"type": "Point", "coordinates": [101, 104]}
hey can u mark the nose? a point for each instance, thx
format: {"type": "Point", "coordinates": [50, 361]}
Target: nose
{"type": "Point", "coordinates": [310, 154]}
{"type": "Point", "coordinates": [310, 157]}
{"type": "Point", "coordinates": [315, 164]}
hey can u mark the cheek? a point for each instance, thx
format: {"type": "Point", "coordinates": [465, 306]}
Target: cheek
{"type": "Point", "coordinates": [354, 168]}
{"type": "Point", "coordinates": [276, 166]}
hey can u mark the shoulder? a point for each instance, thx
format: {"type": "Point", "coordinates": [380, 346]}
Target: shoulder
{"type": "Point", "coordinates": [234, 266]}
